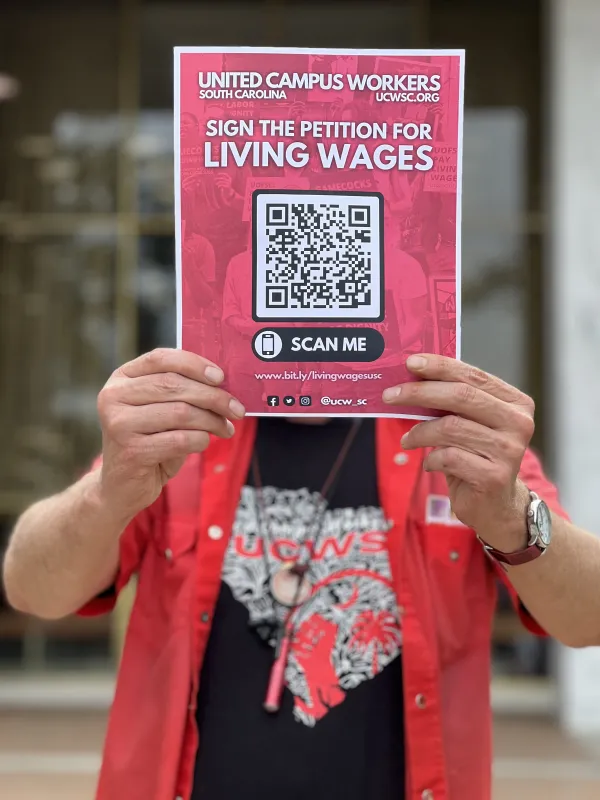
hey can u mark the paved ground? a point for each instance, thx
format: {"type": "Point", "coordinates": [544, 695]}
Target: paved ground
{"type": "Point", "coordinates": [54, 756]}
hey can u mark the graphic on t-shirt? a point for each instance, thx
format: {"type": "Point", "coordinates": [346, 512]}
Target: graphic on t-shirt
{"type": "Point", "coordinates": [348, 631]}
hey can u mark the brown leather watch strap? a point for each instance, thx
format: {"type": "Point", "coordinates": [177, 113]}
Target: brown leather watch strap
{"type": "Point", "coordinates": [530, 553]}
{"type": "Point", "coordinates": [534, 548]}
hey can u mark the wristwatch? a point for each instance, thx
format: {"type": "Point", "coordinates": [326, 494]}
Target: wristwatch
{"type": "Point", "coordinates": [539, 527]}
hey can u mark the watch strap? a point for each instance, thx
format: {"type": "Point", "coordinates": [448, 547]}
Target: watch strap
{"type": "Point", "coordinates": [530, 553]}
{"type": "Point", "coordinates": [534, 548]}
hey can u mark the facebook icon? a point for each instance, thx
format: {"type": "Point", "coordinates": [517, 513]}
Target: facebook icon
{"type": "Point", "coordinates": [272, 400]}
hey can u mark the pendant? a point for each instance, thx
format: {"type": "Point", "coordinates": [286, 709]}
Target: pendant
{"type": "Point", "coordinates": [289, 585]}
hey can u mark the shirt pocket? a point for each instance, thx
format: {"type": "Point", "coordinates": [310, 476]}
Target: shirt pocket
{"type": "Point", "coordinates": [459, 588]}
{"type": "Point", "coordinates": [168, 573]}
{"type": "Point", "coordinates": [176, 539]}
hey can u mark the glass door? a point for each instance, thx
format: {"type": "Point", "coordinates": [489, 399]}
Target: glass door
{"type": "Point", "coordinates": [65, 294]}
{"type": "Point", "coordinates": [86, 222]}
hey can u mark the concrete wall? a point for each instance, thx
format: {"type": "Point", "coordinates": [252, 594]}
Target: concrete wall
{"type": "Point", "coordinates": [574, 319]}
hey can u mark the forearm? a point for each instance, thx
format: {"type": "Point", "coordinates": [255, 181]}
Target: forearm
{"type": "Point", "coordinates": [480, 444]}
{"type": "Point", "coordinates": [155, 411]}
{"type": "Point", "coordinates": [560, 590]}
{"type": "Point", "coordinates": [63, 551]}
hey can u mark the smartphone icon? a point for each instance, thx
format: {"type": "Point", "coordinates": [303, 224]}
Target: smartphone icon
{"type": "Point", "coordinates": [268, 344]}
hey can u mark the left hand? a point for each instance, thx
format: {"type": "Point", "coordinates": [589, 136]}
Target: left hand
{"type": "Point", "coordinates": [478, 445]}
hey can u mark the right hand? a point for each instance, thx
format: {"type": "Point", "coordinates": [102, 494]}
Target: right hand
{"type": "Point", "coordinates": [225, 184]}
{"type": "Point", "coordinates": [155, 411]}
{"type": "Point", "coordinates": [191, 181]}
{"type": "Point", "coordinates": [297, 110]}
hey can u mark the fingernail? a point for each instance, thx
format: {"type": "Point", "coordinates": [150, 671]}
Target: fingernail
{"type": "Point", "coordinates": [416, 362]}
{"type": "Point", "coordinates": [404, 439]}
{"type": "Point", "coordinates": [236, 408]}
{"type": "Point", "coordinates": [230, 428]}
{"type": "Point", "coordinates": [390, 395]}
{"type": "Point", "coordinates": [214, 374]}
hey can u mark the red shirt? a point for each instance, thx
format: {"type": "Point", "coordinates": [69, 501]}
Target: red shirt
{"type": "Point", "coordinates": [446, 592]}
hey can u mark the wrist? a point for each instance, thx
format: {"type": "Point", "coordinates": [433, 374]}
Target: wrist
{"type": "Point", "coordinates": [508, 531]}
{"type": "Point", "coordinates": [103, 505]}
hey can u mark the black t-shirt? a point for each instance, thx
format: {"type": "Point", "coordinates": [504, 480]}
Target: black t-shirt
{"type": "Point", "coordinates": [340, 729]}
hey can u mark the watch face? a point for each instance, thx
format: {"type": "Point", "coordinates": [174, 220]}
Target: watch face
{"type": "Point", "coordinates": [543, 522]}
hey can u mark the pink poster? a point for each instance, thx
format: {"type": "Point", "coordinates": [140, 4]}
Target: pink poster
{"type": "Point", "coordinates": [318, 220]}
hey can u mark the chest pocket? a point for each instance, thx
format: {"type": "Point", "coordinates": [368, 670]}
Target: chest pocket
{"type": "Point", "coordinates": [170, 564]}
{"type": "Point", "coordinates": [461, 588]}
{"type": "Point", "coordinates": [176, 540]}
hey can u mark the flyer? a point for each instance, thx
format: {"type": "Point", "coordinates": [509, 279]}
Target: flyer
{"type": "Point", "coordinates": [317, 199]}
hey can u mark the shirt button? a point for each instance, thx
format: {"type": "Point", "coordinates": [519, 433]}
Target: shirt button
{"type": "Point", "coordinates": [421, 701]}
{"type": "Point", "coordinates": [454, 556]}
{"type": "Point", "coordinates": [219, 468]}
{"type": "Point", "coordinates": [427, 795]}
{"type": "Point", "coordinates": [215, 532]}
{"type": "Point", "coordinates": [401, 459]}
{"type": "Point", "coordinates": [169, 554]}
{"type": "Point", "coordinates": [205, 617]}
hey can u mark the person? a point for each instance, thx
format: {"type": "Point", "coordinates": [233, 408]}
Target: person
{"type": "Point", "coordinates": [189, 129]}
{"type": "Point", "coordinates": [239, 328]}
{"type": "Point", "coordinates": [202, 306]}
{"type": "Point", "coordinates": [365, 552]}
{"type": "Point", "coordinates": [212, 200]}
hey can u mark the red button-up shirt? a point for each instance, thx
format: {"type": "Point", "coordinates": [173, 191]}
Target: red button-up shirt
{"type": "Point", "coordinates": [446, 592]}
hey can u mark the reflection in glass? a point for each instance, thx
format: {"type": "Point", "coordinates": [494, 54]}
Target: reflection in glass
{"type": "Point", "coordinates": [493, 254]}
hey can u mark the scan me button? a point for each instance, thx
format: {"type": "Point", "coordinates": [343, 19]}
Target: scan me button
{"type": "Point", "coordinates": [318, 344]}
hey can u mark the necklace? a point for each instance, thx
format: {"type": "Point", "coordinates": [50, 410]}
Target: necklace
{"type": "Point", "coordinates": [289, 586]}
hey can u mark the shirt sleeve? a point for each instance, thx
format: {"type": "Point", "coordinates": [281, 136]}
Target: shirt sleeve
{"type": "Point", "coordinates": [198, 267]}
{"type": "Point", "coordinates": [132, 546]}
{"type": "Point", "coordinates": [536, 481]}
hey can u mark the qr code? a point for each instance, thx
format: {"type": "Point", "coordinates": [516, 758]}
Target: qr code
{"type": "Point", "coordinates": [317, 256]}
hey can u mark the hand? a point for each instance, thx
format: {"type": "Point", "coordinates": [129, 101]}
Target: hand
{"type": "Point", "coordinates": [154, 412]}
{"type": "Point", "coordinates": [243, 325]}
{"type": "Point", "coordinates": [225, 184]}
{"type": "Point", "coordinates": [478, 446]}
{"type": "Point", "coordinates": [438, 109]}
{"type": "Point", "coordinates": [296, 110]}
{"type": "Point", "coordinates": [191, 181]}
{"type": "Point", "coordinates": [335, 108]}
